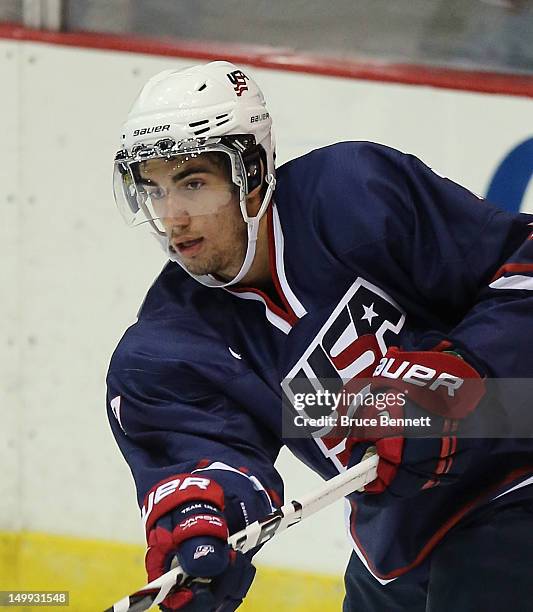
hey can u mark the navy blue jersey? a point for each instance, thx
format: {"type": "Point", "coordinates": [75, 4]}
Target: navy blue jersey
{"type": "Point", "coordinates": [363, 240]}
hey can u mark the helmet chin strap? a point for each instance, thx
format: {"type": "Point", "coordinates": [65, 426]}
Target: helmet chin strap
{"type": "Point", "coordinates": [252, 224]}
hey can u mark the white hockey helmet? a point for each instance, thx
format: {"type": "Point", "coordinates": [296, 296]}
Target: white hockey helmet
{"type": "Point", "coordinates": [214, 107]}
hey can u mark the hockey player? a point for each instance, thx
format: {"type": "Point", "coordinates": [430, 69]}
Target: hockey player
{"type": "Point", "coordinates": [353, 262]}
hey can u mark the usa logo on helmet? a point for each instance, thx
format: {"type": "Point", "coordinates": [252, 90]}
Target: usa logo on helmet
{"type": "Point", "coordinates": [238, 80]}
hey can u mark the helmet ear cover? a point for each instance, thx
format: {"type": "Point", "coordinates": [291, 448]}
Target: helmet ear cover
{"type": "Point", "coordinates": [252, 165]}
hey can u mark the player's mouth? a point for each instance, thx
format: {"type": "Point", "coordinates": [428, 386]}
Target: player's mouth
{"type": "Point", "coordinates": [189, 247]}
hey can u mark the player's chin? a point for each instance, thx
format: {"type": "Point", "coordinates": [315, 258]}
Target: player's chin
{"type": "Point", "coordinates": [199, 266]}
{"type": "Point", "coordinates": [195, 268]}
{"type": "Point", "coordinates": [211, 262]}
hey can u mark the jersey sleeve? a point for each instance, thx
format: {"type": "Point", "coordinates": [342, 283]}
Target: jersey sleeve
{"type": "Point", "coordinates": [488, 278]}
{"type": "Point", "coordinates": [435, 244]}
{"type": "Point", "coordinates": [172, 419]}
{"type": "Point", "coordinates": [485, 290]}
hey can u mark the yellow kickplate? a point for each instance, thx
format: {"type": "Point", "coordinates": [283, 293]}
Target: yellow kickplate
{"type": "Point", "coordinates": [97, 573]}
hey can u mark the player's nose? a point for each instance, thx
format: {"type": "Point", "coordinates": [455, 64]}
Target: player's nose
{"type": "Point", "coordinates": [177, 213]}
{"type": "Point", "coordinates": [179, 219]}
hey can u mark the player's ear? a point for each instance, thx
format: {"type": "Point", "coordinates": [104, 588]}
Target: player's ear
{"type": "Point", "coordinates": [254, 198]}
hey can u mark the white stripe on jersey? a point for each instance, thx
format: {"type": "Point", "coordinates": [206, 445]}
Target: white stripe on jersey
{"type": "Point", "coordinates": [279, 242]}
{"type": "Point", "coordinates": [256, 483]}
{"type": "Point", "coordinates": [524, 483]}
{"type": "Point", "coordinates": [517, 281]}
{"type": "Point", "coordinates": [276, 320]}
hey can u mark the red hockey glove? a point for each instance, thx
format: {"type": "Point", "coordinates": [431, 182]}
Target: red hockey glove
{"type": "Point", "coordinates": [435, 389]}
{"type": "Point", "coordinates": [184, 517]}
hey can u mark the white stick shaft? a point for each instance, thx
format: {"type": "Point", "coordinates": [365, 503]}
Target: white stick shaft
{"type": "Point", "coordinates": [293, 512]}
{"type": "Point", "coordinates": [261, 531]}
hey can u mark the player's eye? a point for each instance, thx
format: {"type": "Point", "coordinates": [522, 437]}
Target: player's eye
{"type": "Point", "coordinates": [194, 185]}
{"type": "Point", "coordinates": [155, 192]}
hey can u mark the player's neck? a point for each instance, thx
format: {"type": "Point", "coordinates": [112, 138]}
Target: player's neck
{"type": "Point", "coordinates": [259, 274]}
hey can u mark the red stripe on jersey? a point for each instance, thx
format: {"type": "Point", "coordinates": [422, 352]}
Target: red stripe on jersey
{"type": "Point", "coordinates": [270, 304]}
{"type": "Point", "coordinates": [273, 270]}
{"type": "Point", "coordinates": [275, 498]}
{"type": "Point", "coordinates": [286, 313]}
{"type": "Point", "coordinates": [512, 267]}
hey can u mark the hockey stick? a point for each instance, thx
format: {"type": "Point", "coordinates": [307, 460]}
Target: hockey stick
{"type": "Point", "coordinates": [261, 531]}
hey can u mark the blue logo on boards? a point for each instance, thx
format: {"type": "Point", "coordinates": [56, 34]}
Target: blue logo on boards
{"type": "Point", "coordinates": [511, 178]}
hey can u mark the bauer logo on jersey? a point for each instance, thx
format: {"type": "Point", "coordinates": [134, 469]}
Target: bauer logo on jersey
{"type": "Point", "coordinates": [238, 79]}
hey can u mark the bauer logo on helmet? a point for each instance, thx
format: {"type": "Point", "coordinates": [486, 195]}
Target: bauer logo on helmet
{"type": "Point", "coordinates": [150, 130]}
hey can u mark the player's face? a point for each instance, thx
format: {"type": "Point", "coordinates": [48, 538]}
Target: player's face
{"type": "Point", "coordinates": [199, 208]}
